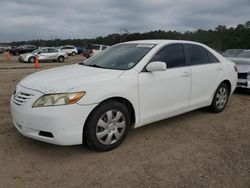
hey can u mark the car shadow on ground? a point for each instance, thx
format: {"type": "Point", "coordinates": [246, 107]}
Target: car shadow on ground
{"type": "Point", "coordinates": [242, 91]}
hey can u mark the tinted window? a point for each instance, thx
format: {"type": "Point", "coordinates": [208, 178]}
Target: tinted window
{"type": "Point", "coordinates": [212, 58]}
{"type": "Point", "coordinates": [44, 50]}
{"type": "Point", "coordinates": [198, 55]}
{"type": "Point", "coordinates": [172, 54]}
{"type": "Point", "coordinates": [52, 50]}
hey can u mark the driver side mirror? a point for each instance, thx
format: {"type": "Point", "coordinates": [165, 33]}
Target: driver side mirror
{"type": "Point", "coordinates": [156, 66]}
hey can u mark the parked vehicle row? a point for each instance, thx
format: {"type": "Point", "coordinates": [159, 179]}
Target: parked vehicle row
{"type": "Point", "coordinates": [22, 49]}
{"type": "Point", "coordinates": [128, 85]}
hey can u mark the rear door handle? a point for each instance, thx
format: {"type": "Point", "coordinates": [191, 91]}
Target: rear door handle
{"type": "Point", "coordinates": [186, 74]}
{"type": "Point", "coordinates": [219, 68]}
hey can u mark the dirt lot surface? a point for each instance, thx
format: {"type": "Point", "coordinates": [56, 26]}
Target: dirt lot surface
{"type": "Point", "coordinates": [197, 149]}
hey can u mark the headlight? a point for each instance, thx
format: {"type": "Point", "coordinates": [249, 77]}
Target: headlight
{"type": "Point", "coordinates": [58, 99]}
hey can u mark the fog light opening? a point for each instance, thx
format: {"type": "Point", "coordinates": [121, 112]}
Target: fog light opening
{"type": "Point", "coordinates": [46, 134]}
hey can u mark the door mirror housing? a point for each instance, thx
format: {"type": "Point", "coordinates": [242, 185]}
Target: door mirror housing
{"type": "Point", "coordinates": [156, 66]}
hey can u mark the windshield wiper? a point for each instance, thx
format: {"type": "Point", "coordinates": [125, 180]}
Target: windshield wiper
{"type": "Point", "coordinates": [91, 65]}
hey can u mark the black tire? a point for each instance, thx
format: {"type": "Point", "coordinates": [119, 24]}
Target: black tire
{"type": "Point", "coordinates": [218, 105]}
{"type": "Point", "coordinates": [73, 53]}
{"type": "Point", "coordinates": [31, 60]}
{"type": "Point", "coordinates": [90, 131]}
{"type": "Point", "coordinates": [60, 59]}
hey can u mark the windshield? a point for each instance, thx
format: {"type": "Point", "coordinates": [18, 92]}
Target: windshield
{"type": "Point", "coordinates": [121, 56]}
{"type": "Point", "coordinates": [35, 51]}
{"type": "Point", "coordinates": [245, 54]}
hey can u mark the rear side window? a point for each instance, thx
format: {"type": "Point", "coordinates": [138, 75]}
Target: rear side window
{"type": "Point", "coordinates": [212, 58]}
{"type": "Point", "coordinates": [172, 54]}
{"type": "Point", "coordinates": [198, 55]}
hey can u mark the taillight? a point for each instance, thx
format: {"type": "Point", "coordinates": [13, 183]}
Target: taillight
{"type": "Point", "coordinates": [235, 68]}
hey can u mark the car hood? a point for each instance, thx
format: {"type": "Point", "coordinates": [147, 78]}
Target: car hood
{"type": "Point", "coordinates": [66, 78]}
{"type": "Point", "coordinates": [243, 64]}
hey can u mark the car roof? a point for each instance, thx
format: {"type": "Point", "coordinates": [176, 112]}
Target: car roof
{"type": "Point", "coordinates": [162, 42]}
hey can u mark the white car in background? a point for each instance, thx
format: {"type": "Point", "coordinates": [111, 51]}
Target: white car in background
{"type": "Point", "coordinates": [242, 61]}
{"type": "Point", "coordinates": [43, 54]}
{"type": "Point", "coordinates": [128, 85]}
{"type": "Point", "coordinates": [70, 50]}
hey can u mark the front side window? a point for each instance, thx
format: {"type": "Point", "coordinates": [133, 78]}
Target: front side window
{"type": "Point", "coordinates": [198, 55]}
{"type": "Point", "coordinates": [173, 55]}
{"type": "Point", "coordinates": [120, 57]}
{"type": "Point", "coordinates": [44, 50]}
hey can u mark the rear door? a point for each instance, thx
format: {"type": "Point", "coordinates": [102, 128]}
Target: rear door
{"type": "Point", "coordinates": [207, 73]}
{"type": "Point", "coordinates": [164, 92]}
{"type": "Point", "coordinates": [52, 54]}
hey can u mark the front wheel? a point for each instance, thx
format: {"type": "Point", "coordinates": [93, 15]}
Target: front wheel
{"type": "Point", "coordinates": [31, 60]}
{"type": "Point", "coordinates": [220, 98]}
{"type": "Point", "coordinates": [107, 126]}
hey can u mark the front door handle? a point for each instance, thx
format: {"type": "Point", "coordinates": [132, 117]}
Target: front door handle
{"type": "Point", "coordinates": [186, 74]}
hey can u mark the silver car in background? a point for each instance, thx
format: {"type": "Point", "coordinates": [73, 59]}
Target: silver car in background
{"type": "Point", "coordinates": [242, 60]}
{"type": "Point", "coordinates": [43, 54]}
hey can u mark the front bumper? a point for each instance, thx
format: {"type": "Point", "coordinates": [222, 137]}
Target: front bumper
{"type": "Point", "coordinates": [243, 80]}
{"type": "Point", "coordinates": [60, 125]}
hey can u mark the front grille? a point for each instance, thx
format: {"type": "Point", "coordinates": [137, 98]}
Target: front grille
{"type": "Point", "coordinates": [20, 98]}
{"type": "Point", "coordinates": [242, 75]}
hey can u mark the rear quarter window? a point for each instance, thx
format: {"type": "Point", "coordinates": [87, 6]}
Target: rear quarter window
{"type": "Point", "coordinates": [198, 55]}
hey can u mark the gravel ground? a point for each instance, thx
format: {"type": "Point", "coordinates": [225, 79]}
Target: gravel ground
{"type": "Point", "coordinates": [197, 149]}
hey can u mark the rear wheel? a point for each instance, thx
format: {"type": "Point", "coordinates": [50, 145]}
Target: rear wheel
{"type": "Point", "coordinates": [107, 126]}
{"type": "Point", "coordinates": [220, 98]}
{"type": "Point", "coordinates": [31, 60]}
{"type": "Point", "coordinates": [73, 53]}
{"type": "Point", "coordinates": [60, 59]}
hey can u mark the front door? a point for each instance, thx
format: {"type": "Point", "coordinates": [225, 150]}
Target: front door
{"type": "Point", "coordinates": [165, 92]}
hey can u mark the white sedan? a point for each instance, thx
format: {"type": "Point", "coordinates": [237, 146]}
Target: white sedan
{"type": "Point", "coordinates": [128, 85]}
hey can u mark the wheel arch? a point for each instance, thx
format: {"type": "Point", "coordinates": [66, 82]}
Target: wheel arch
{"type": "Point", "coordinates": [229, 85]}
{"type": "Point", "coordinates": [122, 100]}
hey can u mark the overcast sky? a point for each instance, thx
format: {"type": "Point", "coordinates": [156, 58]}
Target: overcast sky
{"type": "Point", "coordinates": [49, 19]}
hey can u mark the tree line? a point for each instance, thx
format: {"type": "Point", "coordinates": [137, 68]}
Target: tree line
{"type": "Point", "coordinates": [219, 38]}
